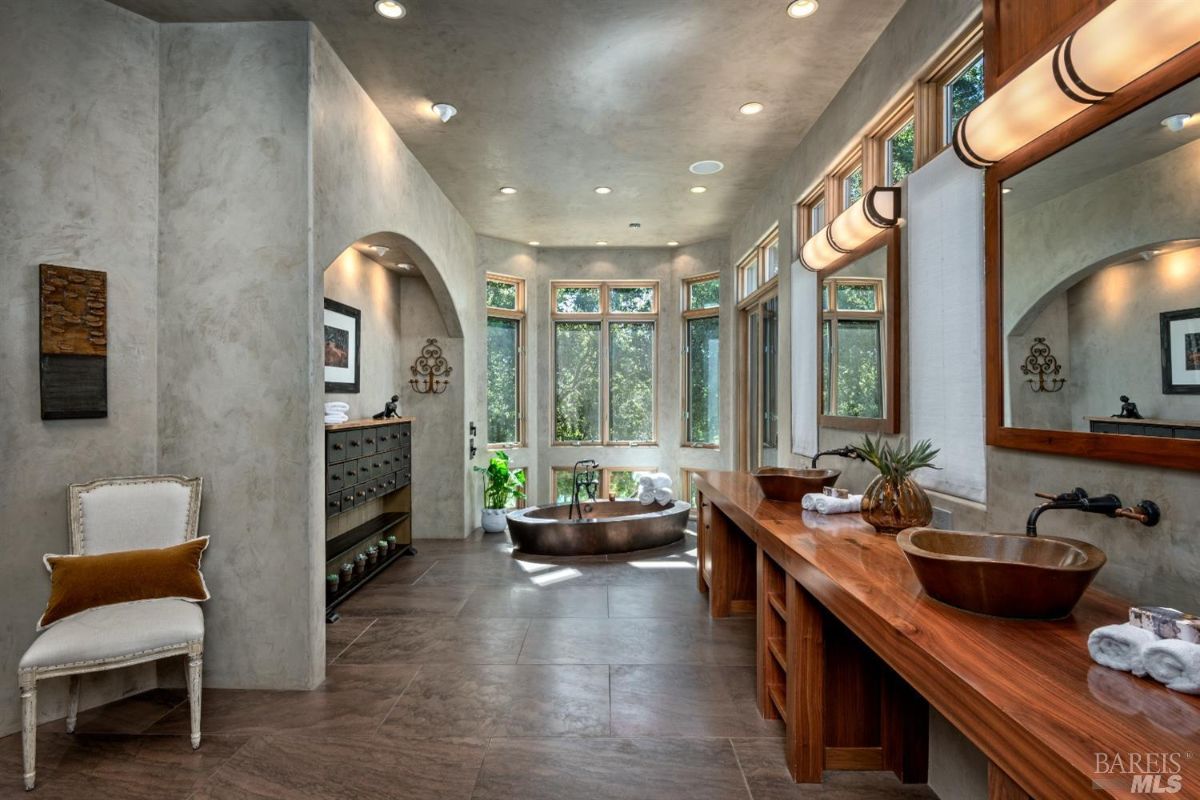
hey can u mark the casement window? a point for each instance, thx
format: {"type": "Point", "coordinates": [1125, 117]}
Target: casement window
{"type": "Point", "coordinates": [701, 360]}
{"type": "Point", "coordinates": [505, 301]}
{"type": "Point", "coordinates": [760, 266]}
{"type": "Point", "coordinates": [852, 340]}
{"type": "Point", "coordinates": [961, 93]}
{"type": "Point", "coordinates": [618, 481]}
{"type": "Point", "coordinates": [604, 361]}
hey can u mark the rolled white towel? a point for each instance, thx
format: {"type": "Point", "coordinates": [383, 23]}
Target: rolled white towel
{"type": "Point", "coordinates": [1175, 663]}
{"type": "Point", "coordinates": [664, 497]}
{"type": "Point", "coordinates": [826, 504]}
{"type": "Point", "coordinates": [1120, 647]}
{"type": "Point", "coordinates": [646, 496]}
{"type": "Point", "coordinates": [654, 480]}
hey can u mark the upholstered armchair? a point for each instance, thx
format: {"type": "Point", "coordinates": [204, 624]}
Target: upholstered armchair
{"type": "Point", "coordinates": [106, 516]}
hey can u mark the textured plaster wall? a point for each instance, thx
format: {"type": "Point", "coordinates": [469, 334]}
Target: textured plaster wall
{"type": "Point", "coordinates": [364, 181]}
{"type": "Point", "coordinates": [234, 378]}
{"type": "Point", "coordinates": [78, 163]}
{"type": "Point", "coordinates": [359, 282]}
{"type": "Point", "coordinates": [668, 267]}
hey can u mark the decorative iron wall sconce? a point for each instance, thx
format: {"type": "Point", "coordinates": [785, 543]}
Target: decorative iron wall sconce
{"type": "Point", "coordinates": [1041, 362]}
{"type": "Point", "coordinates": [431, 373]}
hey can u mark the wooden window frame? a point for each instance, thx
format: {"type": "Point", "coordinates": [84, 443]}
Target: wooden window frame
{"type": "Point", "coordinates": [875, 145]}
{"type": "Point", "coordinates": [849, 164]}
{"type": "Point", "coordinates": [683, 494]}
{"type": "Point", "coordinates": [756, 259]}
{"type": "Point", "coordinates": [517, 314]}
{"type": "Point", "coordinates": [929, 94]}
{"type": "Point", "coordinates": [689, 314]}
{"type": "Point", "coordinates": [832, 316]}
{"type": "Point", "coordinates": [604, 316]}
{"type": "Point", "coordinates": [605, 479]}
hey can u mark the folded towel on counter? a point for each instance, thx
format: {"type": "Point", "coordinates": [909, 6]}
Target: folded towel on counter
{"type": "Point", "coordinates": [1175, 663]}
{"type": "Point", "coordinates": [1120, 647]}
{"type": "Point", "coordinates": [336, 405]}
{"type": "Point", "coordinates": [827, 504]}
{"type": "Point", "coordinates": [335, 419]}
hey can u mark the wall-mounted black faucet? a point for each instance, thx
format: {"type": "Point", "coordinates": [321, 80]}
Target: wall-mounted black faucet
{"type": "Point", "coordinates": [1145, 512]}
{"type": "Point", "coordinates": [844, 452]}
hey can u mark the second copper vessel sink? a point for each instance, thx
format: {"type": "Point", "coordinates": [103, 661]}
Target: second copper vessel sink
{"type": "Point", "coordinates": [790, 485]}
{"type": "Point", "coordinates": [1005, 575]}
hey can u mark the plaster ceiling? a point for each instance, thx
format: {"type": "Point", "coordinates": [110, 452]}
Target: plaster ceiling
{"type": "Point", "coordinates": [557, 97]}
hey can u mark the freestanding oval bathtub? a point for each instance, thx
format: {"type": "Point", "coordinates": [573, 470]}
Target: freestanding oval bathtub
{"type": "Point", "coordinates": [607, 527]}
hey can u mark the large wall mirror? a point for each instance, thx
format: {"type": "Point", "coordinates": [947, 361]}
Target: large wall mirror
{"type": "Point", "coordinates": [1094, 281]}
{"type": "Point", "coordinates": [859, 357]}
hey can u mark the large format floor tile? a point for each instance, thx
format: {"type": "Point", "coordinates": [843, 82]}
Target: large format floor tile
{"type": "Point", "coordinates": [685, 700]}
{"type": "Point", "coordinates": [353, 701]}
{"type": "Point", "coordinates": [657, 600]}
{"type": "Point", "coordinates": [535, 601]}
{"type": "Point", "coordinates": [431, 640]}
{"type": "Point", "coordinates": [342, 634]}
{"type": "Point", "coordinates": [287, 768]}
{"type": "Point", "coordinates": [610, 769]}
{"type": "Point", "coordinates": [401, 600]}
{"type": "Point", "coordinates": [639, 641]}
{"type": "Point", "coordinates": [765, 767]}
{"type": "Point", "coordinates": [114, 767]}
{"type": "Point", "coordinates": [132, 714]}
{"type": "Point", "coordinates": [490, 700]}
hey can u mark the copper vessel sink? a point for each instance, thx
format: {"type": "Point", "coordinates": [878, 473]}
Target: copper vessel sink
{"type": "Point", "coordinates": [1002, 574]}
{"type": "Point", "coordinates": [790, 485]}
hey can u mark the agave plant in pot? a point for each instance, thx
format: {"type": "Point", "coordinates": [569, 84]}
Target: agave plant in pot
{"type": "Point", "coordinates": [501, 484]}
{"type": "Point", "coordinates": [893, 501]}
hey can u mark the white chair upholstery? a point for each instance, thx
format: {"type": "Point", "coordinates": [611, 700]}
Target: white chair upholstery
{"type": "Point", "coordinates": [106, 516]}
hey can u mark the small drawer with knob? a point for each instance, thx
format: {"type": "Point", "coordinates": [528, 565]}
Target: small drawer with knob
{"type": "Point", "coordinates": [370, 441]}
{"type": "Point", "coordinates": [353, 444]}
{"type": "Point", "coordinates": [360, 494]}
{"type": "Point", "coordinates": [347, 498]}
{"type": "Point", "coordinates": [335, 447]}
{"type": "Point", "coordinates": [385, 442]}
{"type": "Point", "coordinates": [350, 473]}
{"type": "Point", "coordinates": [335, 478]}
{"type": "Point", "coordinates": [333, 504]}
{"type": "Point", "coordinates": [365, 472]}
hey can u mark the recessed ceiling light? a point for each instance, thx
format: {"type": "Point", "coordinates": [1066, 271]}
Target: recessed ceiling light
{"type": "Point", "coordinates": [390, 9]}
{"type": "Point", "coordinates": [404, 267]}
{"type": "Point", "coordinates": [1006, 190]}
{"type": "Point", "coordinates": [601, 243]}
{"type": "Point", "coordinates": [534, 244]}
{"type": "Point", "coordinates": [799, 9]}
{"type": "Point", "coordinates": [1175, 122]}
{"type": "Point", "coordinates": [672, 243]}
{"type": "Point", "coordinates": [699, 189]}
{"type": "Point", "coordinates": [445, 111]}
{"type": "Point", "coordinates": [706, 167]}
{"type": "Point", "coordinates": [749, 109]}
{"type": "Point", "coordinates": [603, 190]}
{"type": "Point", "coordinates": [507, 190]}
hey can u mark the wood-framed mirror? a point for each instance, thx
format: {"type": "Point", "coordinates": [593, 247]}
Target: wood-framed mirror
{"type": "Point", "coordinates": [1092, 239]}
{"type": "Point", "coordinates": [858, 338]}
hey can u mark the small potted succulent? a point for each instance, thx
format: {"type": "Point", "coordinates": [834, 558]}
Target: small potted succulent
{"type": "Point", "coordinates": [894, 501]}
{"type": "Point", "coordinates": [501, 484]}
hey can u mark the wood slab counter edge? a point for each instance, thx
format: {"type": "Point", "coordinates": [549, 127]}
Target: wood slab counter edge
{"type": "Point", "coordinates": [850, 651]}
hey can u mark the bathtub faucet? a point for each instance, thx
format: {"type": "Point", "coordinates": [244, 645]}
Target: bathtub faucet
{"type": "Point", "coordinates": [583, 476]}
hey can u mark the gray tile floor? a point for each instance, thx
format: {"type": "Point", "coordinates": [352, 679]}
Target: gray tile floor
{"type": "Point", "coordinates": [467, 673]}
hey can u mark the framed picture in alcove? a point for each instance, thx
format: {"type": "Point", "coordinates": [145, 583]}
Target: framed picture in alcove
{"type": "Point", "coordinates": [343, 334]}
{"type": "Point", "coordinates": [1180, 332]}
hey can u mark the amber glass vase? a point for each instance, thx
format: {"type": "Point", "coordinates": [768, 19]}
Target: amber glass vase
{"type": "Point", "coordinates": [891, 506]}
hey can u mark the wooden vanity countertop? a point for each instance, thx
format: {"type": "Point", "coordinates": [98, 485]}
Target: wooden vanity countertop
{"type": "Point", "coordinates": [1024, 692]}
{"type": "Point", "coordinates": [366, 423]}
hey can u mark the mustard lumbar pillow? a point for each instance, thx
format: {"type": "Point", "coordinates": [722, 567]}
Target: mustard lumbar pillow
{"type": "Point", "coordinates": [78, 583]}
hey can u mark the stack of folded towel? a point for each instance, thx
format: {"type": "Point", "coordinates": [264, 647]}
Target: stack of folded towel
{"type": "Point", "coordinates": [828, 504]}
{"type": "Point", "coordinates": [335, 412]}
{"type": "Point", "coordinates": [1135, 647]}
{"type": "Point", "coordinates": [654, 487]}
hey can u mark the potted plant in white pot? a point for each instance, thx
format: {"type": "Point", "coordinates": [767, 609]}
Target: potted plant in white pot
{"type": "Point", "coordinates": [500, 485]}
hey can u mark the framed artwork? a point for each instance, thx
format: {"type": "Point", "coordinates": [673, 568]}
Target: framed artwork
{"type": "Point", "coordinates": [343, 334]}
{"type": "Point", "coordinates": [1180, 331]}
{"type": "Point", "coordinates": [73, 334]}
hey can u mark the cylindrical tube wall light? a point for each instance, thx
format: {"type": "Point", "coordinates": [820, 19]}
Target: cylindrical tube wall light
{"type": "Point", "coordinates": [875, 211]}
{"type": "Point", "coordinates": [1121, 43]}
